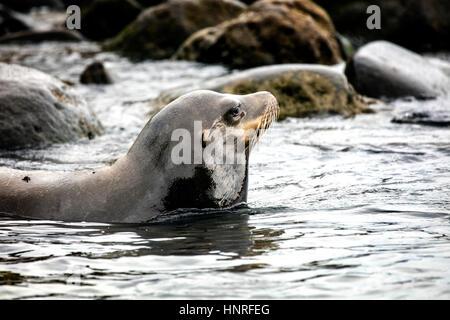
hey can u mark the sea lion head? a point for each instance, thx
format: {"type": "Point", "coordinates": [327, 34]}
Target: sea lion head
{"type": "Point", "coordinates": [200, 145]}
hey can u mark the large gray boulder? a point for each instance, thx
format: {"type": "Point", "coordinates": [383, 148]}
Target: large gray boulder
{"type": "Point", "coordinates": [382, 69]}
{"type": "Point", "coordinates": [301, 90]}
{"type": "Point", "coordinates": [36, 109]}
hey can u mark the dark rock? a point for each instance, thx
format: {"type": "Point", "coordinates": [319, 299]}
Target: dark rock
{"type": "Point", "coordinates": [95, 73]}
{"type": "Point", "coordinates": [27, 5]}
{"type": "Point", "coordinates": [37, 109]}
{"type": "Point", "coordinates": [420, 25]}
{"type": "Point", "coordinates": [103, 19]}
{"type": "Point", "coordinates": [159, 30]}
{"type": "Point", "coordinates": [382, 69]}
{"type": "Point", "coordinates": [268, 32]}
{"type": "Point", "coordinates": [150, 3]}
{"type": "Point", "coordinates": [80, 3]}
{"type": "Point", "coordinates": [423, 118]}
{"type": "Point", "coordinates": [34, 36]}
{"type": "Point", "coordinates": [9, 22]}
{"type": "Point", "coordinates": [301, 90]}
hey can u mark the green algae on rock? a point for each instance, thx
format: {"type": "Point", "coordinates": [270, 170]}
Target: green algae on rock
{"type": "Point", "coordinates": [301, 90]}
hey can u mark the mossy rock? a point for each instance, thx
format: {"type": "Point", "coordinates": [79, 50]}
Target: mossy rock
{"type": "Point", "coordinates": [159, 31]}
{"type": "Point", "coordinates": [268, 32]}
{"type": "Point", "coordinates": [303, 94]}
{"type": "Point", "coordinates": [301, 90]}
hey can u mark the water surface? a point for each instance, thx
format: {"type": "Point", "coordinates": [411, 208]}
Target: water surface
{"type": "Point", "coordinates": [338, 208]}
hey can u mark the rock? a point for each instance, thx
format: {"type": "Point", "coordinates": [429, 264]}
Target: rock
{"type": "Point", "coordinates": [268, 32]}
{"type": "Point", "coordinates": [159, 30]}
{"type": "Point", "coordinates": [444, 65]}
{"type": "Point", "coordinates": [9, 22]}
{"type": "Point", "coordinates": [430, 113]}
{"type": "Point", "coordinates": [80, 3]}
{"type": "Point", "coordinates": [34, 36]}
{"type": "Point", "coordinates": [27, 5]}
{"type": "Point", "coordinates": [382, 69]}
{"type": "Point", "coordinates": [423, 118]}
{"type": "Point", "coordinates": [95, 73]}
{"type": "Point", "coordinates": [37, 109]}
{"type": "Point", "coordinates": [150, 3]}
{"type": "Point", "coordinates": [420, 25]}
{"type": "Point", "coordinates": [104, 19]}
{"type": "Point", "coordinates": [301, 90]}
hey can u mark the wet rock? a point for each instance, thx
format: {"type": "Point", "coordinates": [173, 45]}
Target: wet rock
{"type": "Point", "coordinates": [420, 25]}
{"type": "Point", "coordinates": [27, 5]}
{"type": "Point", "coordinates": [382, 69]}
{"type": "Point", "coordinates": [34, 36]}
{"type": "Point", "coordinates": [434, 112]}
{"type": "Point", "coordinates": [37, 109]}
{"type": "Point", "coordinates": [103, 19]}
{"type": "Point", "coordinates": [423, 118]}
{"type": "Point", "coordinates": [301, 90]}
{"type": "Point", "coordinates": [268, 32]}
{"type": "Point", "coordinates": [9, 22]}
{"type": "Point", "coordinates": [95, 73]}
{"type": "Point", "coordinates": [159, 30]}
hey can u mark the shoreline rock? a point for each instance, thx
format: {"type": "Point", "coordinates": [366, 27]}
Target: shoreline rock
{"type": "Point", "coordinates": [37, 109]}
{"type": "Point", "coordinates": [268, 32]}
{"type": "Point", "coordinates": [158, 31]}
{"type": "Point", "coordinates": [383, 69]}
{"type": "Point", "coordinates": [95, 73]}
{"type": "Point", "coordinates": [302, 90]}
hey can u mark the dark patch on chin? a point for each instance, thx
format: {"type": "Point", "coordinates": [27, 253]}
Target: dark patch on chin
{"type": "Point", "coordinates": [191, 192]}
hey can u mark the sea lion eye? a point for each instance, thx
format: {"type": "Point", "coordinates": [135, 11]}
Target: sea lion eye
{"type": "Point", "coordinates": [235, 111]}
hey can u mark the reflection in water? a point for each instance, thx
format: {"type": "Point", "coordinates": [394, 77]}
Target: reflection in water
{"type": "Point", "coordinates": [226, 236]}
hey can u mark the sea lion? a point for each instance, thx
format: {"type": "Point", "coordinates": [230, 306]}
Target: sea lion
{"type": "Point", "coordinates": [151, 180]}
